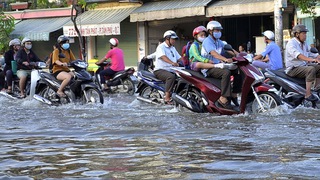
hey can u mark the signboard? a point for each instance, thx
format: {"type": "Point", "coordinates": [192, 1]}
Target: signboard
{"type": "Point", "coordinates": [93, 30]}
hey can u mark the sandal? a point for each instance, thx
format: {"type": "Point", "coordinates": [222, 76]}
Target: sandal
{"type": "Point", "coordinates": [61, 95]}
{"type": "Point", "coordinates": [226, 105]}
{"type": "Point", "coordinates": [170, 102]}
{"type": "Point", "coordinates": [9, 91]}
{"type": "Point", "coordinates": [22, 96]}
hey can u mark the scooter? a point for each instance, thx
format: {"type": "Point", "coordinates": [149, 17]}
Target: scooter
{"type": "Point", "coordinates": [80, 89]}
{"type": "Point", "coordinates": [121, 82]}
{"type": "Point", "coordinates": [200, 94]}
{"type": "Point", "coordinates": [292, 90]}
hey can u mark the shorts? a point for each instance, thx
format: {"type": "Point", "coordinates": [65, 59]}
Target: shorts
{"type": "Point", "coordinates": [23, 73]}
{"type": "Point", "coordinates": [58, 72]}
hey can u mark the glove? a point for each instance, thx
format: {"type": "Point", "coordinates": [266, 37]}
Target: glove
{"type": "Point", "coordinates": [219, 65]}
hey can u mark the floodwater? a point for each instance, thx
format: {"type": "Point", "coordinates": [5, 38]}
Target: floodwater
{"type": "Point", "coordinates": [128, 139]}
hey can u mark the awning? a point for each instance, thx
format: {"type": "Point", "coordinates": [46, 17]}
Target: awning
{"type": "Point", "coordinates": [98, 22]}
{"type": "Point", "coordinates": [302, 15]}
{"type": "Point", "coordinates": [239, 7]}
{"type": "Point", "coordinates": [38, 29]}
{"type": "Point", "coordinates": [169, 10]}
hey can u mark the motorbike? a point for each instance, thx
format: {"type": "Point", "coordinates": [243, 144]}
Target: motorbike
{"type": "Point", "coordinates": [81, 88]}
{"type": "Point", "coordinates": [292, 90]}
{"type": "Point", "coordinates": [200, 94]}
{"type": "Point", "coordinates": [120, 82]}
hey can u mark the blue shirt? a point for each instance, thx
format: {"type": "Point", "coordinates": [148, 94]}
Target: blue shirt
{"type": "Point", "coordinates": [208, 45]}
{"type": "Point", "coordinates": [275, 57]}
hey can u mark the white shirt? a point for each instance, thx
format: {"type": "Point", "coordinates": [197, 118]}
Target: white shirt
{"type": "Point", "coordinates": [170, 52]}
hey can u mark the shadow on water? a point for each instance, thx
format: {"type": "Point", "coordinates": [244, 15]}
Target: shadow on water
{"type": "Point", "coordinates": [127, 139]}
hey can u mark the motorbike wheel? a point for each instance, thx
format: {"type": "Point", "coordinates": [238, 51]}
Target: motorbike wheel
{"type": "Point", "coordinates": [268, 100]}
{"type": "Point", "coordinates": [93, 95]}
{"type": "Point", "coordinates": [51, 95]}
{"type": "Point", "coordinates": [151, 94]}
{"type": "Point", "coordinates": [195, 98]}
{"type": "Point", "coordinates": [128, 86]}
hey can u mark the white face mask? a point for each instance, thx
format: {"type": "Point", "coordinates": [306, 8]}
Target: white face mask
{"type": "Point", "coordinates": [28, 46]}
{"type": "Point", "coordinates": [200, 39]}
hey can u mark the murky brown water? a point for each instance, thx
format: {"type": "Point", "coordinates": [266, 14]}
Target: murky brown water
{"type": "Point", "coordinates": [126, 139]}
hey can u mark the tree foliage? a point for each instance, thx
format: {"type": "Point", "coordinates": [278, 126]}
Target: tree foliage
{"type": "Point", "coordinates": [6, 27]}
{"type": "Point", "coordinates": [306, 6]}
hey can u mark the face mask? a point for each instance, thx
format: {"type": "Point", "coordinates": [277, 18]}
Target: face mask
{"type": "Point", "coordinates": [28, 46]}
{"type": "Point", "coordinates": [65, 46]}
{"type": "Point", "coordinates": [217, 35]}
{"type": "Point", "coordinates": [200, 39]}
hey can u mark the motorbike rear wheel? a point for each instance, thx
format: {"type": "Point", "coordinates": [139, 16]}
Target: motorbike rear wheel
{"type": "Point", "coordinates": [128, 86]}
{"type": "Point", "coordinates": [268, 100]}
{"type": "Point", "coordinates": [152, 94]}
{"type": "Point", "coordinates": [195, 99]}
{"type": "Point", "coordinates": [92, 95]}
{"type": "Point", "coordinates": [52, 96]}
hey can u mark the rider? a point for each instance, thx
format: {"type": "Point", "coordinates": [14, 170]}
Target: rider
{"type": "Point", "coordinates": [197, 61]}
{"type": "Point", "coordinates": [61, 56]}
{"type": "Point", "coordinates": [298, 59]}
{"type": "Point", "coordinates": [26, 60]}
{"type": "Point", "coordinates": [212, 48]}
{"type": "Point", "coordinates": [14, 46]}
{"type": "Point", "coordinates": [166, 57]}
{"type": "Point", "coordinates": [274, 60]}
{"type": "Point", "coordinates": [117, 62]}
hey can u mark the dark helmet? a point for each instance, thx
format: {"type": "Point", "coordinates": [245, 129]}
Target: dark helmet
{"type": "Point", "coordinates": [62, 39]}
{"type": "Point", "coordinates": [299, 28]}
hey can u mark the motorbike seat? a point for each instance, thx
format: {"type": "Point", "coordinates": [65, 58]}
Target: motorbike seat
{"type": "Point", "coordinates": [281, 73]}
{"type": "Point", "coordinates": [149, 75]}
{"type": "Point", "coordinates": [214, 81]}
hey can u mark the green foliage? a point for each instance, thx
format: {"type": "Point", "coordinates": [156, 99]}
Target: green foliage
{"type": "Point", "coordinates": [306, 6]}
{"type": "Point", "coordinates": [6, 27]}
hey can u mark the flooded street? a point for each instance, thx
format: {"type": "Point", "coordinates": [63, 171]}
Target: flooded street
{"type": "Point", "coordinates": [128, 139]}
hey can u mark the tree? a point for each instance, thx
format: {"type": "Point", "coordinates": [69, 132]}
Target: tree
{"type": "Point", "coordinates": [306, 6]}
{"type": "Point", "coordinates": [6, 27]}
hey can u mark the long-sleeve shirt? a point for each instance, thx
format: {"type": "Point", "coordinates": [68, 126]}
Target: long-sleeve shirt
{"type": "Point", "coordinates": [8, 57]}
{"type": "Point", "coordinates": [194, 53]}
{"type": "Point", "coordinates": [23, 56]}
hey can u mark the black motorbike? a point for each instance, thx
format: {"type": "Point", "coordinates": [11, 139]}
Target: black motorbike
{"type": "Point", "coordinates": [80, 89]}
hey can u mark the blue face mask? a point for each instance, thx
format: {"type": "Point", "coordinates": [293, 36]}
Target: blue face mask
{"type": "Point", "coordinates": [217, 35]}
{"type": "Point", "coordinates": [66, 46]}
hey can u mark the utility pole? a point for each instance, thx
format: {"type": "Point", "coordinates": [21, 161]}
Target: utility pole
{"type": "Point", "coordinates": [278, 26]}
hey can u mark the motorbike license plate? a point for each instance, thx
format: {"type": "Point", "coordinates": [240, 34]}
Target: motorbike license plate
{"type": "Point", "coordinates": [133, 78]}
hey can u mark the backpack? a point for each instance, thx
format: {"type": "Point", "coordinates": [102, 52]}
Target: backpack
{"type": "Point", "coordinates": [185, 53]}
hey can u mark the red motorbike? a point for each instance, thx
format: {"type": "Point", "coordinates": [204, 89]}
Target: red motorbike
{"type": "Point", "coordinates": [200, 94]}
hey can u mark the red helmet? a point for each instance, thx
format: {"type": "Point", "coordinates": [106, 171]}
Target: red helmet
{"type": "Point", "coordinates": [114, 41]}
{"type": "Point", "coordinates": [198, 29]}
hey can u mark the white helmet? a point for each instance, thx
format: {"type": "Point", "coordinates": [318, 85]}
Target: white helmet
{"type": "Point", "coordinates": [170, 34]}
{"type": "Point", "coordinates": [214, 25]}
{"type": "Point", "coordinates": [114, 41]}
{"type": "Point", "coordinates": [269, 34]}
{"type": "Point", "coordinates": [25, 40]}
{"type": "Point", "coordinates": [14, 42]}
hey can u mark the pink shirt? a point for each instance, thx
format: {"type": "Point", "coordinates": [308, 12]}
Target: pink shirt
{"type": "Point", "coordinates": [117, 60]}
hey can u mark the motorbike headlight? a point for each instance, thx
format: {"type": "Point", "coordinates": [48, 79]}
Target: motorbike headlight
{"type": "Point", "coordinates": [258, 77]}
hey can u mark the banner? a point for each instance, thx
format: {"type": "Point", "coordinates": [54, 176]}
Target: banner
{"type": "Point", "coordinates": [93, 30]}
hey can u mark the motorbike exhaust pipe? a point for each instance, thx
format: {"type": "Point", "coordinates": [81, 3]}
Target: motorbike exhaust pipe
{"type": "Point", "coordinates": [42, 99]}
{"type": "Point", "coordinates": [147, 100]}
{"type": "Point", "coordinates": [185, 103]}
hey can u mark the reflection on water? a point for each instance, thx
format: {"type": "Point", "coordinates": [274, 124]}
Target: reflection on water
{"type": "Point", "coordinates": [126, 139]}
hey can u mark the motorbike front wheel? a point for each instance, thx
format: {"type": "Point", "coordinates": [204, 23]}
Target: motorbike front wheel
{"type": "Point", "coordinates": [92, 95]}
{"type": "Point", "coordinates": [268, 100]}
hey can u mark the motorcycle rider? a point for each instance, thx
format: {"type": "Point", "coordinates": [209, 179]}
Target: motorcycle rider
{"type": "Point", "coordinates": [26, 60]}
{"type": "Point", "coordinates": [212, 48]}
{"type": "Point", "coordinates": [272, 50]}
{"type": "Point", "coordinates": [298, 59]}
{"type": "Point", "coordinates": [117, 62]}
{"type": "Point", "coordinates": [14, 46]}
{"type": "Point", "coordinates": [166, 57]}
{"type": "Point", "coordinates": [61, 56]}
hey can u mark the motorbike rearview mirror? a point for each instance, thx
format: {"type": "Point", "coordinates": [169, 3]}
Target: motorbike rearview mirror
{"type": "Point", "coordinates": [314, 50]}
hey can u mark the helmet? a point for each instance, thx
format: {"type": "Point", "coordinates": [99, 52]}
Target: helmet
{"type": "Point", "coordinates": [170, 34]}
{"type": "Point", "coordinates": [25, 40]}
{"type": "Point", "coordinates": [299, 28]}
{"type": "Point", "coordinates": [62, 39]}
{"type": "Point", "coordinates": [14, 42]}
{"type": "Point", "coordinates": [214, 25]}
{"type": "Point", "coordinates": [269, 34]}
{"type": "Point", "coordinates": [198, 29]}
{"type": "Point", "coordinates": [114, 41]}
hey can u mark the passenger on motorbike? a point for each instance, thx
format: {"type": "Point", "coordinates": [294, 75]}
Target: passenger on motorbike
{"type": "Point", "coordinates": [117, 62]}
{"type": "Point", "coordinates": [167, 57]}
{"type": "Point", "coordinates": [61, 56]}
{"type": "Point", "coordinates": [14, 46]}
{"type": "Point", "coordinates": [272, 50]}
{"type": "Point", "coordinates": [298, 59]}
{"type": "Point", "coordinates": [212, 48]}
{"type": "Point", "coordinates": [26, 60]}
